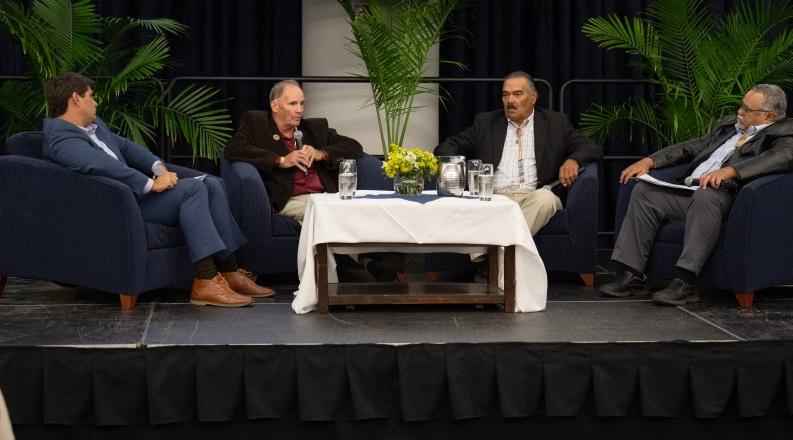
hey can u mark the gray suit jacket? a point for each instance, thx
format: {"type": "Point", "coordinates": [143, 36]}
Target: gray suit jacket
{"type": "Point", "coordinates": [770, 151]}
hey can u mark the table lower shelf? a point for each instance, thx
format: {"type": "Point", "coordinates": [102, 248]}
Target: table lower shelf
{"type": "Point", "coordinates": [413, 293]}
{"type": "Point", "coordinates": [416, 293]}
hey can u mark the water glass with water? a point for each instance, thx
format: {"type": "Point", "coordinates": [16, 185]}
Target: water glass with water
{"type": "Point", "coordinates": [348, 179]}
{"type": "Point", "coordinates": [486, 180]}
{"type": "Point", "coordinates": [473, 171]}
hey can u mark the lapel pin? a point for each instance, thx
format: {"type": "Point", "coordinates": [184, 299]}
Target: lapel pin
{"type": "Point", "coordinates": [276, 137]}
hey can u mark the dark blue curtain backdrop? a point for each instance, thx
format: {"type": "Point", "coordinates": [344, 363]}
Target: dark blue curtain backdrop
{"type": "Point", "coordinates": [228, 38]}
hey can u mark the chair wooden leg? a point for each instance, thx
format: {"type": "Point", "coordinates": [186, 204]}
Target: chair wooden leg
{"type": "Point", "coordinates": [588, 279]}
{"type": "Point", "coordinates": [745, 299]}
{"type": "Point", "coordinates": [3, 281]}
{"type": "Point", "coordinates": [431, 277]}
{"type": "Point", "coordinates": [402, 277]}
{"type": "Point", "coordinates": [127, 301]}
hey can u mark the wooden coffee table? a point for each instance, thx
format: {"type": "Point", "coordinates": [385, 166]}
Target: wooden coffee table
{"type": "Point", "coordinates": [416, 293]}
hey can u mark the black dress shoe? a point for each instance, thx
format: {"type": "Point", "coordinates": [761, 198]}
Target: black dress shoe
{"type": "Point", "coordinates": [677, 293]}
{"type": "Point", "coordinates": [627, 284]}
{"type": "Point", "coordinates": [385, 265]}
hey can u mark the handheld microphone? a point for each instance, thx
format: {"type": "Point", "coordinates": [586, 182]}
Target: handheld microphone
{"type": "Point", "coordinates": [694, 181]}
{"type": "Point", "coordinates": [299, 142]}
{"type": "Point", "coordinates": [299, 139]}
{"type": "Point", "coordinates": [557, 182]}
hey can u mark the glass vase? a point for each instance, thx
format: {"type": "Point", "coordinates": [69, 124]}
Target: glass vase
{"type": "Point", "coordinates": [408, 185]}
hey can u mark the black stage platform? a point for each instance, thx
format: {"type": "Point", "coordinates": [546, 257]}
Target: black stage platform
{"type": "Point", "coordinates": [73, 365]}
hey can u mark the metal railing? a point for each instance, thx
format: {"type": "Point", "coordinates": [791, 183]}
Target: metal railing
{"type": "Point", "coordinates": [355, 79]}
{"type": "Point", "coordinates": [573, 82]}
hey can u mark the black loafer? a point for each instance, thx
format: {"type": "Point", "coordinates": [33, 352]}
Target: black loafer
{"type": "Point", "coordinates": [677, 293]}
{"type": "Point", "coordinates": [628, 284]}
{"type": "Point", "coordinates": [386, 265]}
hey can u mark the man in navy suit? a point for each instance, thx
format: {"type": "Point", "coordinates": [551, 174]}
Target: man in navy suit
{"type": "Point", "coordinates": [78, 140]}
{"type": "Point", "coordinates": [530, 148]}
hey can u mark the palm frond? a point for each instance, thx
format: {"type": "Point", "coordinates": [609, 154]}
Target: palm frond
{"type": "Point", "coordinates": [122, 55]}
{"type": "Point", "coordinates": [70, 28]}
{"type": "Point", "coordinates": [194, 115]}
{"type": "Point", "coordinates": [682, 25]}
{"type": "Point", "coordinates": [148, 60]}
{"type": "Point", "coordinates": [29, 31]}
{"type": "Point", "coordinates": [130, 123]}
{"type": "Point", "coordinates": [23, 106]}
{"type": "Point", "coordinates": [392, 39]}
{"type": "Point", "coordinates": [159, 26]}
{"type": "Point", "coordinates": [706, 64]}
{"type": "Point", "coordinates": [636, 115]}
{"type": "Point", "coordinates": [634, 35]}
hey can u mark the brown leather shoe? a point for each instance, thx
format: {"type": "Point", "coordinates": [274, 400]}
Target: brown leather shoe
{"type": "Point", "coordinates": [249, 274]}
{"type": "Point", "coordinates": [241, 282]}
{"type": "Point", "coordinates": [216, 292]}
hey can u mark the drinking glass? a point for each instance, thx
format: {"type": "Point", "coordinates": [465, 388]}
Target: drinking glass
{"type": "Point", "coordinates": [486, 180]}
{"type": "Point", "coordinates": [348, 178]}
{"type": "Point", "coordinates": [473, 171]}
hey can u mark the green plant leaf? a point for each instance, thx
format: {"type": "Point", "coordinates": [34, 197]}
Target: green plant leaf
{"type": "Point", "coordinates": [703, 64]}
{"type": "Point", "coordinates": [23, 107]}
{"type": "Point", "coordinates": [194, 115]}
{"type": "Point", "coordinates": [122, 55]}
{"type": "Point", "coordinates": [392, 39]}
{"type": "Point", "coordinates": [148, 60]}
{"type": "Point", "coordinates": [70, 28]}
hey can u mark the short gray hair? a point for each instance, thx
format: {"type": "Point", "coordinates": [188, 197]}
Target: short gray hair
{"type": "Point", "coordinates": [524, 75]}
{"type": "Point", "coordinates": [774, 99]}
{"type": "Point", "coordinates": [278, 88]}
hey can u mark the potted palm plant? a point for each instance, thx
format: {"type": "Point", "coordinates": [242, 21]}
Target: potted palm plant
{"type": "Point", "coordinates": [701, 64]}
{"type": "Point", "coordinates": [59, 36]}
{"type": "Point", "coordinates": [393, 39]}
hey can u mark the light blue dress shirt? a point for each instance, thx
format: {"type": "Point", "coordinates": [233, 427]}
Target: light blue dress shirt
{"type": "Point", "coordinates": [718, 157]}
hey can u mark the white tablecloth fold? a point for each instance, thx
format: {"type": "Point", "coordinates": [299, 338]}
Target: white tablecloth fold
{"type": "Point", "coordinates": [399, 220]}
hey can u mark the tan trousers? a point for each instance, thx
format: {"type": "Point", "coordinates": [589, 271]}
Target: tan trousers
{"type": "Point", "coordinates": [296, 207]}
{"type": "Point", "coordinates": [538, 206]}
{"type": "Point", "coordinates": [6, 433]}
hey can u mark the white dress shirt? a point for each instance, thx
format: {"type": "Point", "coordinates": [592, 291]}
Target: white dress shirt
{"type": "Point", "coordinates": [518, 146]}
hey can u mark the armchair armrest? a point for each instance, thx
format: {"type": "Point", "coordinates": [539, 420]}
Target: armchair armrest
{"type": "Point", "coordinates": [758, 239]}
{"type": "Point", "coordinates": [63, 226]}
{"type": "Point", "coordinates": [248, 200]}
{"type": "Point", "coordinates": [582, 202]}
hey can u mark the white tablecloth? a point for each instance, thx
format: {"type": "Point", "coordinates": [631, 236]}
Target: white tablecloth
{"type": "Point", "coordinates": [373, 216]}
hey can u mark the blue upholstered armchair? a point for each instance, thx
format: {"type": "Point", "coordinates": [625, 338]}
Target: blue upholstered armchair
{"type": "Point", "coordinates": [568, 242]}
{"type": "Point", "coordinates": [755, 248]}
{"type": "Point", "coordinates": [273, 238]}
{"type": "Point", "coordinates": [66, 227]}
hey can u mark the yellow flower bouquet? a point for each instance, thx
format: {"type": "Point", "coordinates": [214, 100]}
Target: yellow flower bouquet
{"type": "Point", "coordinates": [408, 167]}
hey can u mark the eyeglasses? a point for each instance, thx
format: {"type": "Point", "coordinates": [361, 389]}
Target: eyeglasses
{"type": "Point", "coordinates": [746, 109]}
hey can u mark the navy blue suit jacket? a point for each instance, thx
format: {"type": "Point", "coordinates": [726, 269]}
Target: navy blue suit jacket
{"type": "Point", "coordinates": [68, 145]}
